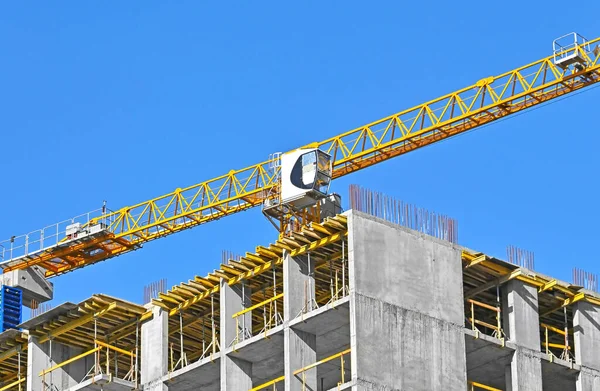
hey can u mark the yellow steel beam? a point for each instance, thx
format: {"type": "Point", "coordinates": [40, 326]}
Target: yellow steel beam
{"type": "Point", "coordinates": [549, 285]}
{"type": "Point", "coordinates": [474, 259]}
{"type": "Point", "coordinates": [77, 322]}
{"type": "Point", "coordinates": [565, 303]}
{"type": "Point", "coordinates": [489, 99]}
{"type": "Point", "coordinates": [258, 270]}
{"type": "Point", "coordinates": [498, 281]}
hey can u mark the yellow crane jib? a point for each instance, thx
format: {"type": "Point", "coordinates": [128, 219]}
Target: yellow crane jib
{"type": "Point", "coordinates": [573, 65]}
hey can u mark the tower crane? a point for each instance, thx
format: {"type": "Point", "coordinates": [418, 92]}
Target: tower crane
{"type": "Point", "coordinates": [292, 188]}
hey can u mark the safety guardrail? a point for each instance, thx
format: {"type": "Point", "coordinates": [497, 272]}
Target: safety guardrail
{"type": "Point", "coordinates": [564, 347]}
{"type": "Point", "coordinates": [498, 333]}
{"type": "Point", "coordinates": [474, 386]}
{"type": "Point", "coordinates": [98, 366]}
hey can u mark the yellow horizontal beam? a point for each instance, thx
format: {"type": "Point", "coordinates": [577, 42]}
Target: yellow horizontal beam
{"type": "Point", "coordinates": [332, 357]}
{"type": "Point", "coordinates": [255, 306]}
{"type": "Point", "coordinates": [549, 285]}
{"type": "Point", "coordinates": [116, 349]}
{"type": "Point", "coordinates": [567, 302]}
{"type": "Point", "coordinates": [67, 362]}
{"type": "Point", "coordinates": [267, 384]}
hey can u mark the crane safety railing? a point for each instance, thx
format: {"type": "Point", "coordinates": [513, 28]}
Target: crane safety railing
{"type": "Point", "coordinates": [474, 386]}
{"type": "Point", "coordinates": [272, 317]}
{"type": "Point", "coordinates": [497, 328]}
{"type": "Point", "coordinates": [100, 366]}
{"type": "Point", "coordinates": [566, 46]}
{"type": "Point", "coordinates": [564, 347]}
{"type": "Point", "coordinates": [51, 236]}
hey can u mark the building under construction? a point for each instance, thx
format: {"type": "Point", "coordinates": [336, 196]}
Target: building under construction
{"type": "Point", "coordinates": [355, 302]}
{"type": "Point", "coordinates": [378, 297]}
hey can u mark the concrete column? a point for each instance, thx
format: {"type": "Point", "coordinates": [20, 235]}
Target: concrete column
{"type": "Point", "coordinates": [298, 285]}
{"type": "Point", "coordinates": [236, 374]}
{"type": "Point", "coordinates": [155, 350]}
{"type": "Point", "coordinates": [234, 299]}
{"type": "Point", "coordinates": [300, 350]}
{"type": "Point", "coordinates": [522, 326]}
{"type": "Point", "coordinates": [586, 334]}
{"type": "Point", "coordinates": [48, 354]}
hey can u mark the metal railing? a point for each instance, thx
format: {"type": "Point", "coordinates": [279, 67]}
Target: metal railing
{"type": "Point", "coordinates": [497, 328]}
{"type": "Point", "coordinates": [99, 366]}
{"type": "Point", "coordinates": [566, 46]}
{"type": "Point", "coordinates": [48, 237]}
{"type": "Point", "coordinates": [339, 355]}
{"type": "Point", "coordinates": [18, 382]}
{"type": "Point", "coordinates": [271, 318]}
{"type": "Point", "coordinates": [270, 385]}
{"type": "Point", "coordinates": [564, 347]}
{"type": "Point", "coordinates": [474, 386]}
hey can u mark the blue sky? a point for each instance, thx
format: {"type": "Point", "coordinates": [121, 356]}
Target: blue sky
{"type": "Point", "coordinates": [127, 102]}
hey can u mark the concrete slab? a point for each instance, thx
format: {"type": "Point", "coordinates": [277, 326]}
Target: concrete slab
{"type": "Point", "coordinates": [487, 359]}
{"type": "Point", "coordinates": [324, 319]}
{"type": "Point", "coordinates": [103, 383]}
{"type": "Point", "coordinates": [203, 374]}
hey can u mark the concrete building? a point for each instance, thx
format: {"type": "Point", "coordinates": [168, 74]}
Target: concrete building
{"type": "Point", "coordinates": [354, 303]}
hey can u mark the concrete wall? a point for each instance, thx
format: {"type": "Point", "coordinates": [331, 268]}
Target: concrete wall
{"type": "Point", "coordinates": [407, 307]}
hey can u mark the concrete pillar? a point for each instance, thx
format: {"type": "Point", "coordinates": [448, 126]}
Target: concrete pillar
{"type": "Point", "coordinates": [155, 350]}
{"type": "Point", "coordinates": [300, 350]}
{"type": "Point", "coordinates": [236, 374]}
{"type": "Point", "coordinates": [234, 299]}
{"type": "Point", "coordinates": [48, 354]}
{"type": "Point", "coordinates": [586, 334]}
{"type": "Point", "coordinates": [522, 326]}
{"type": "Point", "coordinates": [298, 285]}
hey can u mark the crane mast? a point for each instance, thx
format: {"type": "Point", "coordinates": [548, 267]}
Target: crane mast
{"type": "Point", "coordinates": [104, 234]}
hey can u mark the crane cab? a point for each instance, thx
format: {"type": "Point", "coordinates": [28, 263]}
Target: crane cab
{"type": "Point", "coordinates": [305, 177]}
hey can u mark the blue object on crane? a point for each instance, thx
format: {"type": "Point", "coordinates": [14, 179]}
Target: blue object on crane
{"type": "Point", "coordinates": [11, 307]}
